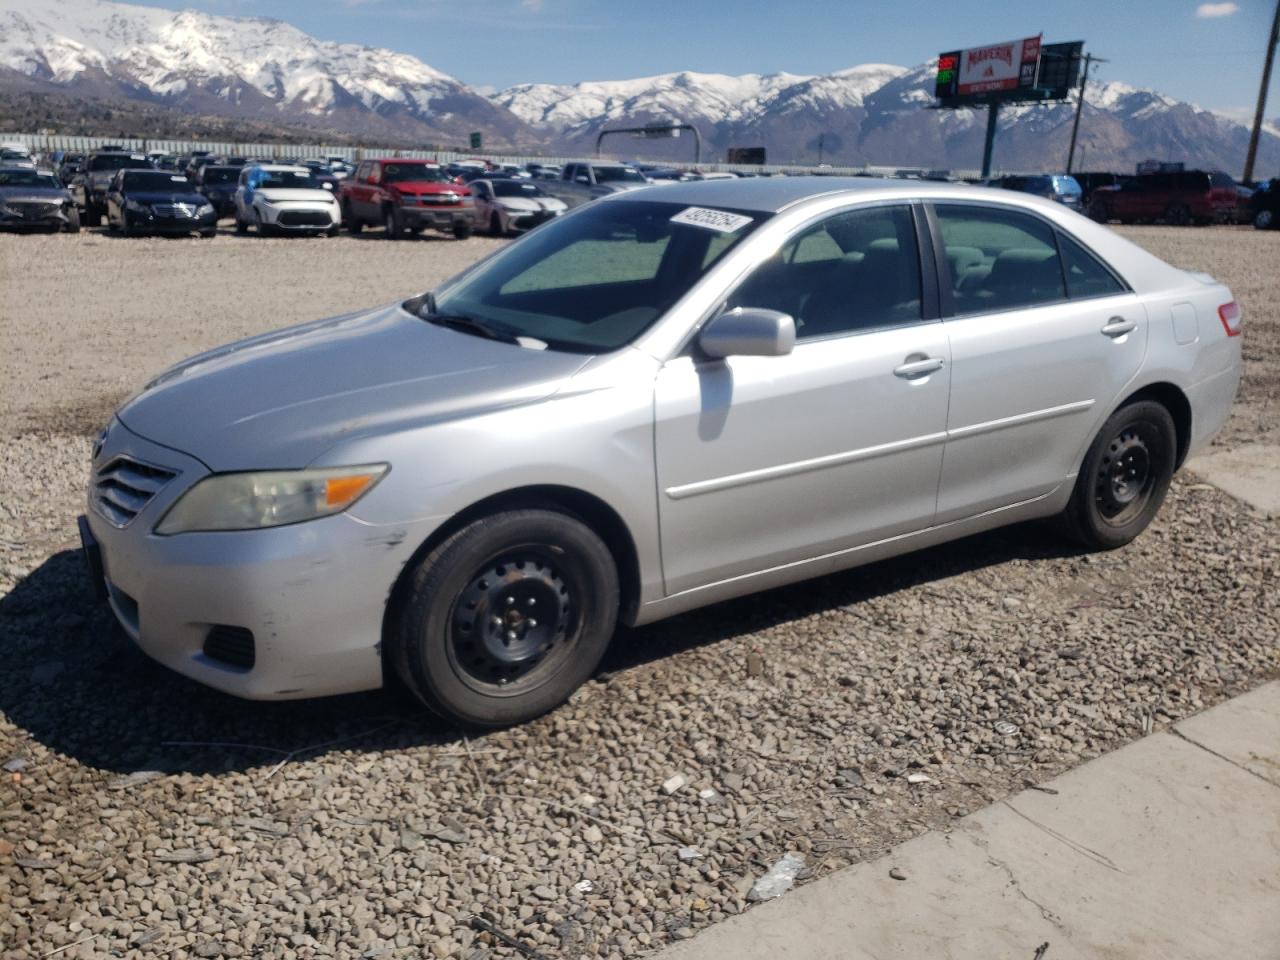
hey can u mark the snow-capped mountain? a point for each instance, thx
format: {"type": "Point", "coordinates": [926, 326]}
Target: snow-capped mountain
{"type": "Point", "coordinates": [251, 67]}
{"type": "Point", "coordinates": [263, 70]}
{"type": "Point", "coordinates": [876, 114]}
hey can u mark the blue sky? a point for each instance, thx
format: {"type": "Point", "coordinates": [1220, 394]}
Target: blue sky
{"type": "Point", "coordinates": [1207, 53]}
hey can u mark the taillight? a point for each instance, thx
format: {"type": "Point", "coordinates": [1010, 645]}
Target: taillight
{"type": "Point", "coordinates": [1229, 314]}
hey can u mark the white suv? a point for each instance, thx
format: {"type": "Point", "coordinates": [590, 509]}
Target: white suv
{"type": "Point", "coordinates": [278, 197]}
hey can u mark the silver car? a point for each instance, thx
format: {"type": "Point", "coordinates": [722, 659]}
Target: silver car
{"type": "Point", "coordinates": [661, 400]}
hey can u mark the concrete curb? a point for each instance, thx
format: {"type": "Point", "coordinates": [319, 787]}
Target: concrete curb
{"type": "Point", "coordinates": [1168, 847]}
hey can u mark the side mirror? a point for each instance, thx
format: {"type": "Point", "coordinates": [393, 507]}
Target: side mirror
{"type": "Point", "coordinates": [582, 178]}
{"type": "Point", "coordinates": [749, 332]}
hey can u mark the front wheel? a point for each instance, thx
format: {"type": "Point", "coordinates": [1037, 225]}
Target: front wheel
{"type": "Point", "coordinates": [495, 225]}
{"type": "Point", "coordinates": [209, 233]}
{"type": "Point", "coordinates": [1177, 215]}
{"type": "Point", "coordinates": [1264, 220]}
{"type": "Point", "coordinates": [73, 221]}
{"type": "Point", "coordinates": [391, 223]}
{"type": "Point", "coordinates": [1124, 478]}
{"type": "Point", "coordinates": [505, 618]}
{"type": "Point", "coordinates": [92, 217]}
{"type": "Point", "coordinates": [462, 229]}
{"type": "Point", "coordinates": [1098, 211]}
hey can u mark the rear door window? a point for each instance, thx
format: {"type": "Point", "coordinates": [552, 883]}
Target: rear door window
{"type": "Point", "coordinates": [999, 259]}
{"type": "Point", "coordinates": [1086, 274]}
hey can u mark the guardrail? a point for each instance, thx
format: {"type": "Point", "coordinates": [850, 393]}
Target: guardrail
{"type": "Point", "coordinates": [47, 143]}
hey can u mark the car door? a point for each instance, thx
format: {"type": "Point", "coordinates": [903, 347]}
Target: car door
{"type": "Point", "coordinates": [115, 200]}
{"type": "Point", "coordinates": [480, 192]}
{"type": "Point", "coordinates": [766, 461]}
{"type": "Point", "coordinates": [1043, 337]}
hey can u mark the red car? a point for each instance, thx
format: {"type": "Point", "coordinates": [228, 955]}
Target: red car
{"type": "Point", "coordinates": [402, 194]}
{"type": "Point", "coordinates": [1179, 198]}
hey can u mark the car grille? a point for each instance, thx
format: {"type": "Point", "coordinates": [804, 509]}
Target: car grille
{"type": "Point", "coordinates": [437, 199]}
{"type": "Point", "coordinates": [124, 486]}
{"type": "Point", "coordinates": [175, 211]}
{"type": "Point", "coordinates": [34, 209]}
{"type": "Point", "coordinates": [305, 218]}
{"type": "Point", "coordinates": [231, 645]}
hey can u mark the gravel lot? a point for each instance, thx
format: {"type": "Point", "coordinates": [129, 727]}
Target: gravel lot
{"type": "Point", "coordinates": [144, 816]}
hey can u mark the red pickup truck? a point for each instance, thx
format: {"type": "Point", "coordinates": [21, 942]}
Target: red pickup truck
{"type": "Point", "coordinates": [402, 194]}
{"type": "Point", "coordinates": [1179, 197]}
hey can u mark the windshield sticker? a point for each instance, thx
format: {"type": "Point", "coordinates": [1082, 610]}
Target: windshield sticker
{"type": "Point", "coordinates": [717, 220]}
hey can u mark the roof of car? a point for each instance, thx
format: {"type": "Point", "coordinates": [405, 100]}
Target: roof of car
{"type": "Point", "coordinates": [772, 194]}
{"type": "Point", "coordinates": [280, 167]}
{"type": "Point", "coordinates": [421, 160]}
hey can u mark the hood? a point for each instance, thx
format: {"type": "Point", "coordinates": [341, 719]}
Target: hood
{"type": "Point", "coordinates": [166, 196]}
{"type": "Point", "coordinates": [318, 195]}
{"type": "Point", "coordinates": [33, 193]}
{"type": "Point", "coordinates": [418, 188]}
{"type": "Point", "coordinates": [281, 400]}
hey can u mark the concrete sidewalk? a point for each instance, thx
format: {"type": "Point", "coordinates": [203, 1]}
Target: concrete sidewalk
{"type": "Point", "coordinates": [1167, 848]}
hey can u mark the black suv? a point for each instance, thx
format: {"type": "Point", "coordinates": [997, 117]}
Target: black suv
{"type": "Point", "coordinates": [89, 185]}
{"type": "Point", "coordinates": [218, 184]}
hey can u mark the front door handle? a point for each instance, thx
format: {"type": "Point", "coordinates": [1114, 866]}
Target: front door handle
{"type": "Point", "coordinates": [913, 369]}
{"type": "Point", "coordinates": [1119, 326]}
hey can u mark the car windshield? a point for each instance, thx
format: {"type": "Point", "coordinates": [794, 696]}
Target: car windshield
{"type": "Point", "coordinates": [402, 172]}
{"type": "Point", "coordinates": [220, 175]}
{"type": "Point", "coordinates": [515, 188]}
{"type": "Point", "coordinates": [618, 175]}
{"type": "Point", "coordinates": [594, 281]}
{"type": "Point", "coordinates": [156, 181]}
{"type": "Point", "coordinates": [291, 179]}
{"type": "Point", "coordinates": [28, 178]}
{"type": "Point", "coordinates": [118, 161]}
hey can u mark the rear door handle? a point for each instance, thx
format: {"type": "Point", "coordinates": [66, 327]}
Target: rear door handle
{"type": "Point", "coordinates": [913, 369]}
{"type": "Point", "coordinates": [1119, 326]}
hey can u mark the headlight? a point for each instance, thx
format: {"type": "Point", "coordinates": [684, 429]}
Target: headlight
{"type": "Point", "coordinates": [251, 501]}
{"type": "Point", "coordinates": [136, 206]}
{"type": "Point", "coordinates": [203, 209]}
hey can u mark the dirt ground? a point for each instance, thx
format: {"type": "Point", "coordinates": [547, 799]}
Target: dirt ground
{"type": "Point", "coordinates": [143, 816]}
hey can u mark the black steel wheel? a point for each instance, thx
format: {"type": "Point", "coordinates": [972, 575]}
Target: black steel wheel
{"type": "Point", "coordinates": [501, 621]}
{"type": "Point", "coordinates": [1177, 215]}
{"type": "Point", "coordinates": [1124, 478]}
{"type": "Point", "coordinates": [391, 222]}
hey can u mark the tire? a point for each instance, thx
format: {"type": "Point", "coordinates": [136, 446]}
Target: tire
{"type": "Point", "coordinates": [241, 226]}
{"type": "Point", "coordinates": [1098, 211]}
{"type": "Point", "coordinates": [263, 229]}
{"type": "Point", "coordinates": [462, 229]}
{"type": "Point", "coordinates": [1264, 220]}
{"type": "Point", "coordinates": [354, 226]}
{"type": "Point", "coordinates": [92, 217]}
{"type": "Point", "coordinates": [495, 225]}
{"type": "Point", "coordinates": [209, 233]}
{"type": "Point", "coordinates": [462, 636]}
{"type": "Point", "coordinates": [73, 221]}
{"type": "Point", "coordinates": [1124, 478]}
{"type": "Point", "coordinates": [332, 231]}
{"type": "Point", "coordinates": [1177, 215]}
{"type": "Point", "coordinates": [391, 223]}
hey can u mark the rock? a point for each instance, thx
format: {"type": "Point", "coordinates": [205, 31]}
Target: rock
{"type": "Point", "coordinates": [208, 948]}
{"type": "Point", "coordinates": [16, 765]}
{"type": "Point", "coordinates": [779, 879]}
{"type": "Point", "coordinates": [850, 776]}
{"type": "Point", "coordinates": [673, 783]}
{"type": "Point", "coordinates": [410, 839]}
{"type": "Point", "coordinates": [897, 873]}
{"type": "Point", "coordinates": [733, 782]}
{"type": "Point", "coordinates": [755, 664]}
{"type": "Point", "coordinates": [135, 779]}
{"type": "Point", "coordinates": [543, 892]}
{"type": "Point", "coordinates": [593, 834]}
{"type": "Point", "coordinates": [186, 855]}
{"type": "Point", "coordinates": [689, 853]}
{"type": "Point", "coordinates": [919, 778]}
{"type": "Point", "coordinates": [451, 834]}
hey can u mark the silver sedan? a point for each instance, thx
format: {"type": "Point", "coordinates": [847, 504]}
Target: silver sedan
{"type": "Point", "coordinates": [662, 400]}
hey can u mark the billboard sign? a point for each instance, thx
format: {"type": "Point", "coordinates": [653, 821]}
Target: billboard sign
{"type": "Point", "coordinates": [996, 67]}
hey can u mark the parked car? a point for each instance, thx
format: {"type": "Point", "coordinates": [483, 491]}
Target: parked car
{"type": "Point", "coordinates": [1092, 180]}
{"type": "Point", "coordinates": [218, 183]}
{"type": "Point", "coordinates": [67, 166]}
{"type": "Point", "coordinates": [581, 182]}
{"type": "Point", "coordinates": [641, 408]}
{"type": "Point", "coordinates": [274, 197]}
{"type": "Point", "coordinates": [1065, 190]}
{"type": "Point", "coordinates": [405, 194]}
{"type": "Point", "coordinates": [1180, 198]}
{"type": "Point", "coordinates": [89, 184]}
{"type": "Point", "coordinates": [1264, 205]}
{"type": "Point", "coordinates": [15, 155]}
{"type": "Point", "coordinates": [196, 162]}
{"type": "Point", "coordinates": [158, 201]}
{"type": "Point", "coordinates": [508, 205]}
{"type": "Point", "coordinates": [35, 199]}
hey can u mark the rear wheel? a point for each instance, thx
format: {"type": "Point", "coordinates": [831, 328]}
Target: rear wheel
{"type": "Point", "coordinates": [353, 225]}
{"type": "Point", "coordinates": [73, 221]}
{"type": "Point", "coordinates": [1177, 215]}
{"type": "Point", "coordinates": [1124, 478]}
{"type": "Point", "coordinates": [391, 223]}
{"type": "Point", "coordinates": [1098, 211]}
{"type": "Point", "coordinates": [92, 217]}
{"type": "Point", "coordinates": [462, 229]}
{"type": "Point", "coordinates": [508, 616]}
{"type": "Point", "coordinates": [1264, 220]}
{"type": "Point", "coordinates": [495, 225]}
{"type": "Point", "coordinates": [241, 226]}
{"type": "Point", "coordinates": [209, 233]}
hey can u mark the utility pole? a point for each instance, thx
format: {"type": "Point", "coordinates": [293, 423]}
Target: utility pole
{"type": "Point", "coordinates": [1262, 97]}
{"type": "Point", "coordinates": [822, 139]}
{"type": "Point", "coordinates": [1075, 126]}
{"type": "Point", "coordinates": [988, 144]}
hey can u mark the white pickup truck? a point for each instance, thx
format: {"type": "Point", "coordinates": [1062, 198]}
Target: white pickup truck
{"type": "Point", "coordinates": [580, 182]}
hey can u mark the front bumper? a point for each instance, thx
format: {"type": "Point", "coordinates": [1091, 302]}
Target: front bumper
{"type": "Point", "coordinates": [300, 215]}
{"type": "Point", "coordinates": [44, 215]}
{"type": "Point", "coordinates": [528, 219]}
{"type": "Point", "coordinates": [311, 595]}
{"type": "Point", "coordinates": [162, 223]}
{"type": "Point", "coordinates": [442, 216]}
